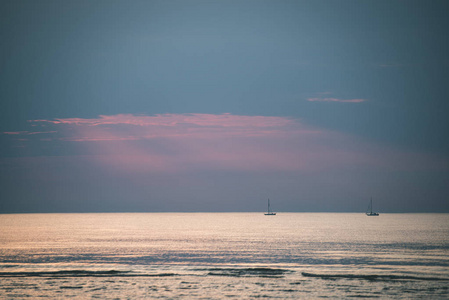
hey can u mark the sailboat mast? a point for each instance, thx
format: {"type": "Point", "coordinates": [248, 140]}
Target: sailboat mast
{"type": "Point", "coordinates": [371, 205]}
{"type": "Point", "coordinates": [269, 212]}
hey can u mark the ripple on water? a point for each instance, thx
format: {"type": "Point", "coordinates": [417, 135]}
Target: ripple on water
{"type": "Point", "coordinates": [70, 287]}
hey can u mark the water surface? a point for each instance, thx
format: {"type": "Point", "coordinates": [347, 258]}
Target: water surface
{"type": "Point", "coordinates": [216, 255]}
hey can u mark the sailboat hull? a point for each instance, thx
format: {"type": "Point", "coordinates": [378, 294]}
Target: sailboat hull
{"type": "Point", "coordinates": [372, 214]}
{"type": "Point", "coordinates": [270, 214]}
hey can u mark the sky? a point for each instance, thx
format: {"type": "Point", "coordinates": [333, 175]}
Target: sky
{"type": "Point", "coordinates": [216, 106]}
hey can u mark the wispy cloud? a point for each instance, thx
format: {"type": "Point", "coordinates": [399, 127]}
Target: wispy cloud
{"type": "Point", "coordinates": [138, 127]}
{"type": "Point", "coordinates": [336, 100]}
{"type": "Point", "coordinates": [194, 142]}
{"type": "Point", "coordinates": [27, 132]}
{"type": "Point", "coordinates": [171, 120]}
{"type": "Point", "coordinates": [170, 142]}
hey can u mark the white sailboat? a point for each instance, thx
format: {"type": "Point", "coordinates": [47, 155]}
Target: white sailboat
{"type": "Point", "coordinates": [269, 212]}
{"type": "Point", "coordinates": [370, 212]}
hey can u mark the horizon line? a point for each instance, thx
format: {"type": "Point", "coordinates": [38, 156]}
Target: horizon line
{"type": "Point", "coordinates": [217, 212]}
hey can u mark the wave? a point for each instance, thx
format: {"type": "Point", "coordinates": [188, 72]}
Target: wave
{"type": "Point", "coordinates": [82, 273]}
{"type": "Point", "coordinates": [233, 272]}
{"type": "Point", "coordinates": [246, 272]}
{"type": "Point", "coordinates": [372, 277]}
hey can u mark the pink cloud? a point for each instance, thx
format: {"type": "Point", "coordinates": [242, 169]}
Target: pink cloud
{"type": "Point", "coordinates": [14, 132]}
{"type": "Point", "coordinates": [27, 132]}
{"type": "Point", "coordinates": [336, 100]}
{"type": "Point", "coordinates": [195, 142]}
{"type": "Point", "coordinates": [223, 120]}
{"type": "Point", "coordinates": [131, 127]}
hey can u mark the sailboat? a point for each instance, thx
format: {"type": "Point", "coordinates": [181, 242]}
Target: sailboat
{"type": "Point", "coordinates": [269, 212]}
{"type": "Point", "coordinates": [370, 212]}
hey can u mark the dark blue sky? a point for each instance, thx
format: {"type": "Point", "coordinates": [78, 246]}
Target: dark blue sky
{"type": "Point", "coordinates": [370, 76]}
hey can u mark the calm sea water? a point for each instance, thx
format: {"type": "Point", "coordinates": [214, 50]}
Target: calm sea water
{"type": "Point", "coordinates": [219, 255]}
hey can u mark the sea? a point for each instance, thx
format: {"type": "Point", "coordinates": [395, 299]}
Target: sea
{"type": "Point", "coordinates": [224, 255]}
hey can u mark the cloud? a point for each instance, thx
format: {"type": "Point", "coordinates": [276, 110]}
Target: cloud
{"type": "Point", "coordinates": [27, 132]}
{"type": "Point", "coordinates": [336, 100]}
{"type": "Point", "coordinates": [226, 120]}
{"type": "Point", "coordinates": [134, 127]}
{"type": "Point", "coordinates": [176, 143]}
